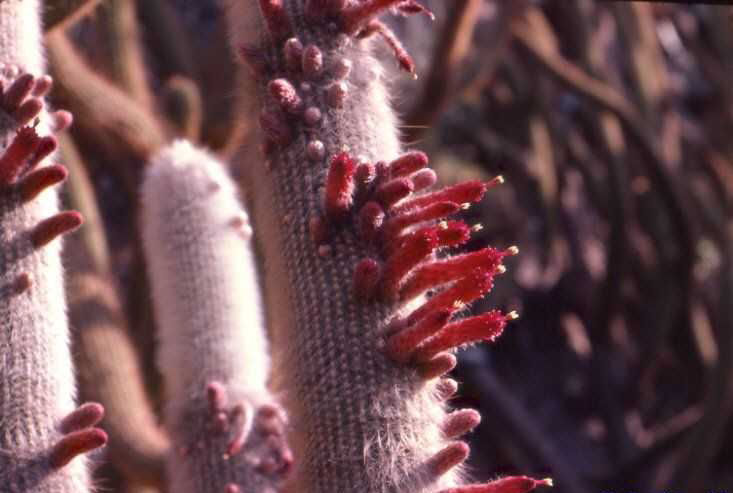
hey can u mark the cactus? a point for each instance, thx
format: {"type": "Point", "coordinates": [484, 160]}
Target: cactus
{"type": "Point", "coordinates": [352, 242]}
{"type": "Point", "coordinates": [225, 426]}
{"type": "Point", "coordinates": [41, 431]}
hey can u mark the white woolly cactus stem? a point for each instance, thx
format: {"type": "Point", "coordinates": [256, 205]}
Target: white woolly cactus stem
{"type": "Point", "coordinates": [226, 428]}
{"type": "Point", "coordinates": [41, 432]}
{"type": "Point", "coordinates": [21, 35]}
{"type": "Point", "coordinates": [352, 239]}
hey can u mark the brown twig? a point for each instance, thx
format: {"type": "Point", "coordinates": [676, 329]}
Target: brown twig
{"type": "Point", "coordinates": [607, 98]}
{"type": "Point", "coordinates": [606, 126]}
{"type": "Point", "coordinates": [102, 110]}
{"type": "Point", "coordinates": [60, 14]}
{"type": "Point", "coordinates": [168, 41]}
{"type": "Point", "coordinates": [106, 359]}
{"type": "Point", "coordinates": [450, 50]}
{"type": "Point", "coordinates": [659, 441]}
{"type": "Point", "coordinates": [700, 450]}
{"type": "Point", "coordinates": [126, 51]}
{"type": "Point", "coordinates": [183, 107]}
{"type": "Point", "coordinates": [636, 25]}
{"type": "Point", "coordinates": [510, 418]}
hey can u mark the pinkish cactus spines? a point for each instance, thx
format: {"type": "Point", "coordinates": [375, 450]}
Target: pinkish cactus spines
{"type": "Point", "coordinates": [366, 350]}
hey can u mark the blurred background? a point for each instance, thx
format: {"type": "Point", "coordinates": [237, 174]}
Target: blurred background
{"type": "Point", "coordinates": [612, 124]}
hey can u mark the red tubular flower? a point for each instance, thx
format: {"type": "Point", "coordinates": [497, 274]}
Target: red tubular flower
{"type": "Point", "coordinates": [401, 345]}
{"type": "Point", "coordinates": [433, 274]}
{"type": "Point", "coordinates": [408, 163]}
{"type": "Point", "coordinates": [399, 222]}
{"type": "Point", "coordinates": [393, 191]}
{"type": "Point", "coordinates": [510, 484]}
{"type": "Point", "coordinates": [412, 251]}
{"type": "Point", "coordinates": [340, 186]}
{"type": "Point", "coordinates": [464, 291]}
{"type": "Point", "coordinates": [469, 191]}
{"type": "Point", "coordinates": [16, 156]}
{"type": "Point", "coordinates": [370, 220]}
{"type": "Point", "coordinates": [486, 327]}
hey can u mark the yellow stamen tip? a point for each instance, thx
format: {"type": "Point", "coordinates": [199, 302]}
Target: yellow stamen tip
{"type": "Point", "coordinates": [512, 315]}
{"type": "Point", "coordinates": [512, 250]}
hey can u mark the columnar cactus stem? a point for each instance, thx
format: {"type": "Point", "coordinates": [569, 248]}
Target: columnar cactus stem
{"type": "Point", "coordinates": [227, 430]}
{"type": "Point", "coordinates": [20, 37]}
{"type": "Point", "coordinates": [41, 432]}
{"type": "Point", "coordinates": [350, 241]}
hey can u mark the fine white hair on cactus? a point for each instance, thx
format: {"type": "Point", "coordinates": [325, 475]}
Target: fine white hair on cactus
{"type": "Point", "coordinates": [204, 279]}
{"type": "Point", "coordinates": [20, 35]}
{"type": "Point", "coordinates": [352, 240]}
{"type": "Point", "coordinates": [226, 428]}
{"type": "Point", "coordinates": [37, 386]}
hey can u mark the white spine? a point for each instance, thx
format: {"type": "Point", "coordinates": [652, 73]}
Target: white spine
{"type": "Point", "coordinates": [37, 385]}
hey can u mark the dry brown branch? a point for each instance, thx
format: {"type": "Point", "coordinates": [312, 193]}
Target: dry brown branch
{"type": "Point", "coordinates": [510, 418]}
{"type": "Point", "coordinates": [60, 14]}
{"type": "Point", "coordinates": [656, 442]}
{"type": "Point", "coordinates": [450, 50]}
{"type": "Point", "coordinates": [573, 76]}
{"type": "Point", "coordinates": [183, 107]}
{"type": "Point", "coordinates": [694, 462]}
{"type": "Point", "coordinates": [101, 109]}
{"type": "Point", "coordinates": [639, 37]}
{"type": "Point", "coordinates": [126, 52]}
{"type": "Point", "coordinates": [107, 363]}
{"type": "Point", "coordinates": [168, 41]}
{"type": "Point", "coordinates": [607, 98]}
{"type": "Point", "coordinates": [606, 126]}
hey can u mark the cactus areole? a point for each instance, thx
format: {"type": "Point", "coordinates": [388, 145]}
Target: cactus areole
{"type": "Point", "coordinates": [356, 253]}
